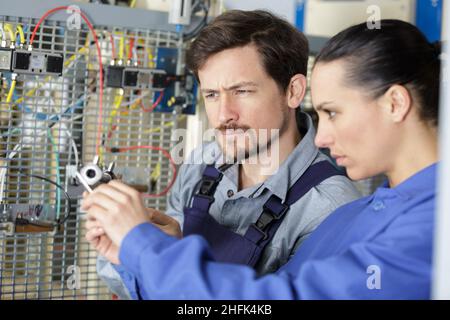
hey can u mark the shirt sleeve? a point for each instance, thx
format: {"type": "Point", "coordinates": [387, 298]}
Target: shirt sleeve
{"type": "Point", "coordinates": [112, 276]}
{"type": "Point", "coordinates": [167, 268]}
{"type": "Point", "coordinates": [175, 203]}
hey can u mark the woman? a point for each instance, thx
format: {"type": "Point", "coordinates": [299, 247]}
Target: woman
{"type": "Point", "coordinates": [376, 93]}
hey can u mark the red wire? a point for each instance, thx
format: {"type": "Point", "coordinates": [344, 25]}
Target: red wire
{"type": "Point", "coordinates": [130, 49]}
{"type": "Point", "coordinates": [155, 104]}
{"type": "Point", "coordinates": [167, 155]}
{"type": "Point", "coordinates": [99, 53]}
{"type": "Point", "coordinates": [113, 47]}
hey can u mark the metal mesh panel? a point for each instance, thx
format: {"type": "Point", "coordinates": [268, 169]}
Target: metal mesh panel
{"type": "Point", "coordinates": [51, 126]}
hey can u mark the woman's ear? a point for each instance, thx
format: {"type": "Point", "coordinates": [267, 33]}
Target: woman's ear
{"type": "Point", "coordinates": [397, 102]}
{"type": "Point", "coordinates": [296, 90]}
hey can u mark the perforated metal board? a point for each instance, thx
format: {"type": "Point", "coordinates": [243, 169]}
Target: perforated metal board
{"type": "Point", "coordinates": [48, 121]}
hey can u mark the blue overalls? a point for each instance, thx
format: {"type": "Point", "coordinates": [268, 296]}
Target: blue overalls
{"type": "Point", "coordinates": [228, 246]}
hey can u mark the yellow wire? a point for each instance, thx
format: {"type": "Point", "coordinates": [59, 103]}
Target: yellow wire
{"type": "Point", "coordinates": [121, 47]}
{"type": "Point", "coordinates": [11, 91]}
{"type": "Point", "coordinates": [8, 28]}
{"type": "Point", "coordinates": [165, 124]}
{"type": "Point", "coordinates": [22, 36]}
{"type": "Point", "coordinates": [156, 172]}
{"type": "Point", "coordinates": [117, 102]}
{"type": "Point", "coordinates": [132, 3]}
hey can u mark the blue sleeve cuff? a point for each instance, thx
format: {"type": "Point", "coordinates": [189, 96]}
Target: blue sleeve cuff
{"type": "Point", "coordinates": [142, 237]}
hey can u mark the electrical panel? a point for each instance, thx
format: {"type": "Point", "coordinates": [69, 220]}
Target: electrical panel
{"type": "Point", "coordinates": [69, 96]}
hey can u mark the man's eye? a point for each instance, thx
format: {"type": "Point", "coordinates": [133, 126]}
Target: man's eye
{"type": "Point", "coordinates": [211, 95]}
{"type": "Point", "coordinates": [242, 92]}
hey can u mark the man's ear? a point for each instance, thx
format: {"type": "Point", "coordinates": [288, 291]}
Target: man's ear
{"type": "Point", "coordinates": [397, 103]}
{"type": "Point", "coordinates": [296, 90]}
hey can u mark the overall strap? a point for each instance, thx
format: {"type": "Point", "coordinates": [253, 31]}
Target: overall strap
{"type": "Point", "coordinates": [262, 231]}
{"type": "Point", "coordinates": [211, 177]}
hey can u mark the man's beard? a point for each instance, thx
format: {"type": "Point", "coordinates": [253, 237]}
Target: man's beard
{"type": "Point", "coordinates": [237, 155]}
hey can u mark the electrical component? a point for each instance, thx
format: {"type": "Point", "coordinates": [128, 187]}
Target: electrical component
{"type": "Point", "coordinates": [181, 84]}
{"type": "Point", "coordinates": [180, 12]}
{"type": "Point", "coordinates": [92, 175]}
{"type": "Point", "coordinates": [5, 59]}
{"type": "Point", "coordinates": [135, 78]}
{"type": "Point", "coordinates": [37, 62]}
{"type": "Point", "coordinates": [114, 76]}
{"type": "Point", "coordinates": [27, 218]}
{"type": "Point", "coordinates": [143, 78]}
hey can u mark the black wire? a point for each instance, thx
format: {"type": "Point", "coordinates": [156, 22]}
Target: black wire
{"type": "Point", "coordinates": [203, 22]}
{"type": "Point", "coordinates": [58, 186]}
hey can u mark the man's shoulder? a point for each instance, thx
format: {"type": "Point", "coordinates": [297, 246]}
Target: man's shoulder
{"type": "Point", "coordinates": [339, 189]}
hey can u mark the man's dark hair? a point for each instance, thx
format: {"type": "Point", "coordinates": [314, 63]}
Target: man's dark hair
{"type": "Point", "coordinates": [396, 53]}
{"type": "Point", "coordinates": [283, 49]}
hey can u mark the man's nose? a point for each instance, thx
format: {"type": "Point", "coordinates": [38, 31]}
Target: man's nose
{"type": "Point", "coordinates": [228, 110]}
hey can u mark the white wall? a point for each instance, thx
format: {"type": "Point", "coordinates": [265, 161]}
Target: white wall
{"type": "Point", "coordinates": [326, 18]}
{"type": "Point", "coordinates": [283, 8]}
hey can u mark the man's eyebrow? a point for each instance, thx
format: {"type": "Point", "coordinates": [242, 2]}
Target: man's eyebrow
{"type": "Point", "coordinates": [242, 84]}
{"type": "Point", "coordinates": [322, 105]}
{"type": "Point", "coordinates": [233, 87]}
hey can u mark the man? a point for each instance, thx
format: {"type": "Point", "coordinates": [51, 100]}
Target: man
{"type": "Point", "coordinates": [251, 67]}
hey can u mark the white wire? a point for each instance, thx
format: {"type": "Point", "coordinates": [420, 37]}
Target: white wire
{"type": "Point", "coordinates": [17, 149]}
{"type": "Point", "coordinates": [3, 171]}
{"type": "Point", "coordinates": [74, 147]}
{"type": "Point", "coordinates": [2, 32]}
{"type": "Point", "coordinates": [129, 103]}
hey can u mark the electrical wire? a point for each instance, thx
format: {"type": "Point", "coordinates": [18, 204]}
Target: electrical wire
{"type": "Point", "coordinates": [192, 34]}
{"type": "Point", "coordinates": [113, 47]}
{"type": "Point", "coordinates": [99, 54]}
{"type": "Point", "coordinates": [118, 103]}
{"type": "Point", "coordinates": [66, 216]}
{"type": "Point", "coordinates": [165, 124]}
{"type": "Point", "coordinates": [2, 31]}
{"type": "Point", "coordinates": [21, 34]}
{"type": "Point", "coordinates": [155, 104]}
{"type": "Point", "coordinates": [11, 91]}
{"type": "Point", "coordinates": [130, 49]}
{"type": "Point", "coordinates": [4, 169]}
{"type": "Point", "coordinates": [9, 30]}
{"type": "Point", "coordinates": [121, 47]}
{"type": "Point", "coordinates": [58, 174]}
{"type": "Point", "coordinates": [135, 101]}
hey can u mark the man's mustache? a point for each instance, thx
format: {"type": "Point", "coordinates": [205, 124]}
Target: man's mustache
{"type": "Point", "coordinates": [232, 126]}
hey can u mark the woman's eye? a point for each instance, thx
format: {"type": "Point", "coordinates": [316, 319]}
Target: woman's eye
{"type": "Point", "coordinates": [331, 114]}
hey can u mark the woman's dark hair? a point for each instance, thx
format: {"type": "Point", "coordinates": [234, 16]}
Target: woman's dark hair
{"type": "Point", "coordinates": [396, 53]}
{"type": "Point", "coordinates": [283, 49]}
